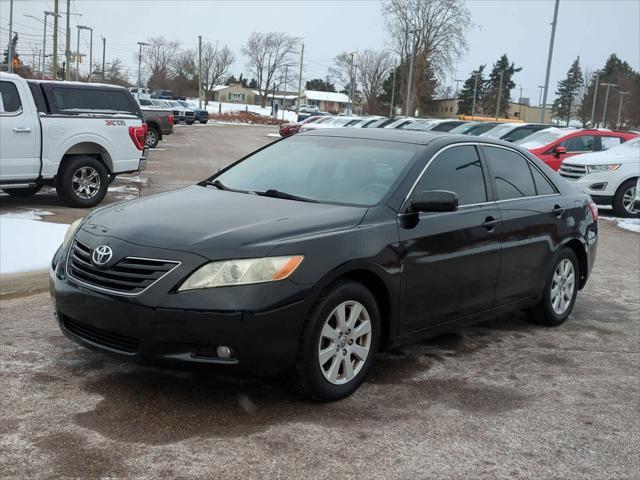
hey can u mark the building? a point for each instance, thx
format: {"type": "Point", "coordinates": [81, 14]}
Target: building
{"type": "Point", "coordinates": [331, 102]}
{"type": "Point", "coordinates": [234, 93]}
{"type": "Point", "coordinates": [448, 107]}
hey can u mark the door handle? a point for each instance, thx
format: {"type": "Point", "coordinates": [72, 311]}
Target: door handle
{"type": "Point", "coordinates": [21, 130]}
{"type": "Point", "coordinates": [558, 210]}
{"type": "Point", "coordinates": [490, 223]}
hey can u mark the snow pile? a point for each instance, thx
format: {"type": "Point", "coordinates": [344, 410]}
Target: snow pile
{"type": "Point", "coordinates": [30, 215]}
{"type": "Point", "coordinates": [632, 224]}
{"type": "Point", "coordinates": [214, 107]}
{"type": "Point", "coordinates": [26, 244]}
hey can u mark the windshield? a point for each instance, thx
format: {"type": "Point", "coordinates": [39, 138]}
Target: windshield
{"type": "Point", "coordinates": [324, 169]}
{"type": "Point", "coordinates": [499, 131]}
{"type": "Point", "coordinates": [464, 128]}
{"type": "Point", "coordinates": [541, 138]}
{"type": "Point", "coordinates": [420, 125]}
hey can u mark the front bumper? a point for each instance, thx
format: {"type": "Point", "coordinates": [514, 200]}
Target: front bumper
{"type": "Point", "coordinates": [261, 323]}
{"type": "Point", "coordinates": [601, 186]}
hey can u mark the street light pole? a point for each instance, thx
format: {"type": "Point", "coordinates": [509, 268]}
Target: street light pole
{"type": "Point", "coordinates": [499, 95]}
{"type": "Point", "coordinates": [200, 71]}
{"type": "Point", "coordinates": [393, 91]}
{"type": "Point", "coordinates": [104, 51]}
{"type": "Point", "coordinates": [90, 54]}
{"type": "Point", "coordinates": [410, 79]}
{"type": "Point", "coordinates": [606, 100]}
{"type": "Point", "coordinates": [141, 44]}
{"type": "Point", "coordinates": [595, 98]}
{"type": "Point", "coordinates": [55, 15]}
{"type": "Point", "coordinates": [10, 47]}
{"type": "Point", "coordinates": [352, 74]}
{"type": "Point", "coordinates": [84, 27]}
{"type": "Point", "coordinates": [78, 55]}
{"type": "Point", "coordinates": [475, 94]}
{"type": "Point", "coordinates": [550, 56]}
{"type": "Point", "coordinates": [622, 94]}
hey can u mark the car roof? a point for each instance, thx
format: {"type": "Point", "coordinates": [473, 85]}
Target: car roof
{"type": "Point", "coordinates": [391, 134]}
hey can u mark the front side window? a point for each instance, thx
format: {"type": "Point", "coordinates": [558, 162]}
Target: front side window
{"type": "Point", "coordinates": [517, 134]}
{"type": "Point", "coordinates": [9, 98]}
{"type": "Point", "coordinates": [582, 143]}
{"type": "Point", "coordinates": [511, 173]}
{"type": "Point", "coordinates": [324, 169]}
{"type": "Point", "coordinates": [458, 170]}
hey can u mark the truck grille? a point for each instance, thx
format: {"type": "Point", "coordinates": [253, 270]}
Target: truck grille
{"type": "Point", "coordinates": [107, 339]}
{"type": "Point", "coordinates": [130, 276]}
{"type": "Point", "coordinates": [191, 114]}
{"type": "Point", "coordinates": [572, 172]}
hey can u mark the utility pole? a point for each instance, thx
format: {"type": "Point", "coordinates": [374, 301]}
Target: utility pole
{"type": "Point", "coordinates": [475, 94]}
{"type": "Point", "coordinates": [393, 91]}
{"type": "Point", "coordinates": [499, 95]}
{"type": "Point", "coordinates": [520, 102]}
{"type": "Point", "coordinates": [622, 94]}
{"type": "Point", "coordinates": [67, 51]}
{"type": "Point", "coordinates": [300, 80]}
{"type": "Point", "coordinates": [352, 74]}
{"type": "Point", "coordinates": [606, 100]}
{"type": "Point", "coordinates": [10, 47]}
{"type": "Point", "coordinates": [284, 95]}
{"type": "Point", "coordinates": [407, 104]}
{"type": "Point", "coordinates": [54, 60]}
{"type": "Point", "coordinates": [595, 99]}
{"type": "Point", "coordinates": [457, 80]}
{"type": "Point", "coordinates": [140, 44]}
{"type": "Point", "coordinates": [82, 27]}
{"type": "Point", "coordinates": [199, 71]}
{"type": "Point", "coordinates": [78, 54]}
{"type": "Point", "coordinates": [546, 80]}
{"type": "Point", "coordinates": [104, 51]}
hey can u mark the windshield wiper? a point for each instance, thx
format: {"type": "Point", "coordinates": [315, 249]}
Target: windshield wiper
{"type": "Point", "coordinates": [272, 192]}
{"type": "Point", "coordinates": [218, 184]}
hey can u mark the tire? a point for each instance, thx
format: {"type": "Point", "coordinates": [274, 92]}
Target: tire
{"type": "Point", "coordinates": [624, 195]}
{"type": "Point", "coordinates": [23, 192]}
{"type": "Point", "coordinates": [153, 137]}
{"type": "Point", "coordinates": [76, 195]}
{"type": "Point", "coordinates": [548, 312]}
{"type": "Point", "coordinates": [190, 123]}
{"type": "Point", "coordinates": [204, 122]}
{"type": "Point", "coordinates": [359, 338]}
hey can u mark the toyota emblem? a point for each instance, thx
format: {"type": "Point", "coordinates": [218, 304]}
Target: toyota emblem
{"type": "Point", "coordinates": [101, 255]}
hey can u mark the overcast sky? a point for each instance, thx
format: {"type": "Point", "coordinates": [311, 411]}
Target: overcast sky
{"type": "Point", "coordinates": [590, 28]}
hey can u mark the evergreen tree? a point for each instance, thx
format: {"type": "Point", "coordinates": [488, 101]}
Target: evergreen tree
{"type": "Point", "coordinates": [492, 86]}
{"type": "Point", "coordinates": [231, 79]}
{"type": "Point", "coordinates": [387, 87]}
{"type": "Point", "coordinates": [567, 91]}
{"type": "Point", "coordinates": [472, 86]}
{"type": "Point", "coordinates": [319, 85]}
{"type": "Point", "coordinates": [253, 83]}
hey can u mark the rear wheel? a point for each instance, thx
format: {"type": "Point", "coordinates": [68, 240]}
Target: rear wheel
{"type": "Point", "coordinates": [82, 182]}
{"type": "Point", "coordinates": [23, 192]}
{"type": "Point", "coordinates": [560, 291]}
{"type": "Point", "coordinates": [623, 200]}
{"type": "Point", "coordinates": [153, 137]}
{"type": "Point", "coordinates": [339, 342]}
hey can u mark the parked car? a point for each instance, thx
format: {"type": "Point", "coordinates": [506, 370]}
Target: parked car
{"type": "Point", "coordinates": [399, 122]}
{"type": "Point", "coordinates": [166, 95]}
{"type": "Point", "coordinates": [435, 124]}
{"type": "Point", "coordinates": [288, 129]}
{"type": "Point", "coordinates": [159, 121]}
{"type": "Point", "coordinates": [74, 136]}
{"type": "Point", "coordinates": [307, 108]}
{"type": "Point", "coordinates": [201, 114]}
{"type": "Point", "coordinates": [398, 236]}
{"type": "Point", "coordinates": [370, 122]}
{"type": "Point", "coordinates": [140, 93]}
{"type": "Point", "coordinates": [511, 132]}
{"type": "Point", "coordinates": [636, 199]}
{"type": "Point", "coordinates": [377, 123]}
{"type": "Point", "coordinates": [186, 115]}
{"type": "Point", "coordinates": [474, 128]}
{"type": "Point", "coordinates": [554, 145]}
{"type": "Point", "coordinates": [609, 176]}
{"type": "Point", "coordinates": [332, 122]}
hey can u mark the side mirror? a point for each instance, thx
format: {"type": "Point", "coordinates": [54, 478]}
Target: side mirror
{"type": "Point", "coordinates": [559, 151]}
{"type": "Point", "coordinates": [434, 201]}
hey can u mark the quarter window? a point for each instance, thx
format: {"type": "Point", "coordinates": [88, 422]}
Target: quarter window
{"type": "Point", "coordinates": [583, 143]}
{"type": "Point", "coordinates": [457, 169]}
{"type": "Point", "coordinates": [610, 142]}
{"type": "Point", "coordinates": [543, 186]}
{"type": "Point", "coordinates": [511, 173]}
{"type": "Point", "coordinates": [9, 98]}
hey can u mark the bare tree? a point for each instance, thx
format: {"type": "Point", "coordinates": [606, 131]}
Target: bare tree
{"type": "Point", "coordinates": [268, 54]}
{"type": "Point", "coordinates": [436, 28]}
{"type": "Point", "coordinates": [342, 69]}
{"type": "Point", "coordinates": [216, 61]}
{"type": "Point", "coordinates": [158, 60]}
{"type": "Point", "coordinates": [374, 67]}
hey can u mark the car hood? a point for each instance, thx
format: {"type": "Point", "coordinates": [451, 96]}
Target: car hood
{"type": "Point", "coordinates": [615, 155]}
{"type": "Point", "coordinates": [218, 224]}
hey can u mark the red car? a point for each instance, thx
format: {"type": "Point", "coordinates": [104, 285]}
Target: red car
{"type": "Point", "coordinates": [287, 129]}
{"type": "Point", "coordinates": [553, 145]}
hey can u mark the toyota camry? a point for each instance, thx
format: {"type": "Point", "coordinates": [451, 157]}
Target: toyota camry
{"type": "Point", "coordinates": [313, 253]}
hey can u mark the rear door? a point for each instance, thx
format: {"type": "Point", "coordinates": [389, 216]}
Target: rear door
{"type": "Point", "coordinates": [450, 260]}
{"type": "Point", "coordinates": [19, 152]}
{"type": "Point", "coordinates": [533, 214]}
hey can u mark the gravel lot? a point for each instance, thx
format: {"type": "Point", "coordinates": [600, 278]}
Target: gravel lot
{"type": "Point", "coordinates": [503, 399]}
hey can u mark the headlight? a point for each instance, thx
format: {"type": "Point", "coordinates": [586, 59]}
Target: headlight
{"type": "Point", "coordinates": [71, 231]}
{"type": "Point", "coordinates": [242, 272]}
{"type": "Point", "coordinates": [603, 168]}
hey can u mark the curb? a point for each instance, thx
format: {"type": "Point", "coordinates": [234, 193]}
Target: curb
{"type": "Point", "coordinates": [24, 283]}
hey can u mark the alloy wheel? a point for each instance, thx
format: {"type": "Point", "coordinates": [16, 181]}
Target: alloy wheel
{"type": "Point", "coordinates": [345, 342]}
{"type": "Point", "coordinates": [151, 138]}
{"type": "Point", "coordinates": [86, 182]}
{"type": "Point", "coordinates": [627, 200]}
{"type": "Point", "coordinates": [563, 286]}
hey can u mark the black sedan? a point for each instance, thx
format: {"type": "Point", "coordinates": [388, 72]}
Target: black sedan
{"type": "Point", "coordinates": [313, 253]}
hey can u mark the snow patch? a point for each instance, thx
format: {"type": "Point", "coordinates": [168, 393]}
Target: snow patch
{"type": "Point", "coordinates": [273, 135]}
{"type": "Point", "coordinates": [632, 224]}
{"type": "Point", "coordinates": [27, 244]}
{"type": "Point", "coordinates": [134, 179]}
{"type": "Point", "coordinates": [218, 107]}
{"type": "Point", "coordinates": [31, 215]}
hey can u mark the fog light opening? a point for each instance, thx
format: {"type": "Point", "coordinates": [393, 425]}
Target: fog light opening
{"type": "Point", "coordinates": [224, 352]}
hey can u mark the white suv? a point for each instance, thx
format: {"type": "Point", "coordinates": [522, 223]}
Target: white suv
{"type": "Point", "coordinates": [609, 176]}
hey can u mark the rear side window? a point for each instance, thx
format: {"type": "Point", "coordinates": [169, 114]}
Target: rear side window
{"type": "Point", "coordinates": [511, 173]}
{"type": "Point", "coordinates": [9, 98]}
{"type": "Point", "coordinates": [87, 99]}
{"type": "Point", "coordinates": [518, 134]}
{"type": "Point", "coordinates": [610, 142]}
{"type": "Point", "coordinates": [457, 169]}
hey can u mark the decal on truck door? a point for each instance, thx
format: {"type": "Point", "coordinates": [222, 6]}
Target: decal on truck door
{"type": "Point", "coordinates": [115, 123]}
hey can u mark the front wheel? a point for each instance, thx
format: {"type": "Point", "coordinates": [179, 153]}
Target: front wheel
{"type": "Point", "coordinates": [339, 342]}
{"type": "Point", "coordinates": [623, 200]}
{"type": "Point", "coordinates": [82, 182]}
{"type": "Point", "coordinates": [560, 291]}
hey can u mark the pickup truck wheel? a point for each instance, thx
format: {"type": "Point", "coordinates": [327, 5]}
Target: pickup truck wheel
{"type": "Point", "coordinates": [82, 182]}
{"type": "Point", "coordinates": [203, 121]}
{"type": "Point", "coordinates": [23, 192]}
{"type": "Point", "coordinates": [153, 137]}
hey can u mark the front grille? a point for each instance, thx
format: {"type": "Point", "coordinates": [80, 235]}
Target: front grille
{"type": "Point", "coordinates": [130, 276]}
{"type": "Point", "coordinates": [572, 172]}
{"type": "Point", "coordinates": [107, 339]}
{"type": "Point", "coordinates": [191, 114]}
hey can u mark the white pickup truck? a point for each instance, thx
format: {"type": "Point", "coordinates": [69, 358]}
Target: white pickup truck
{"type": "Point", "coordinates": [74, 136]}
